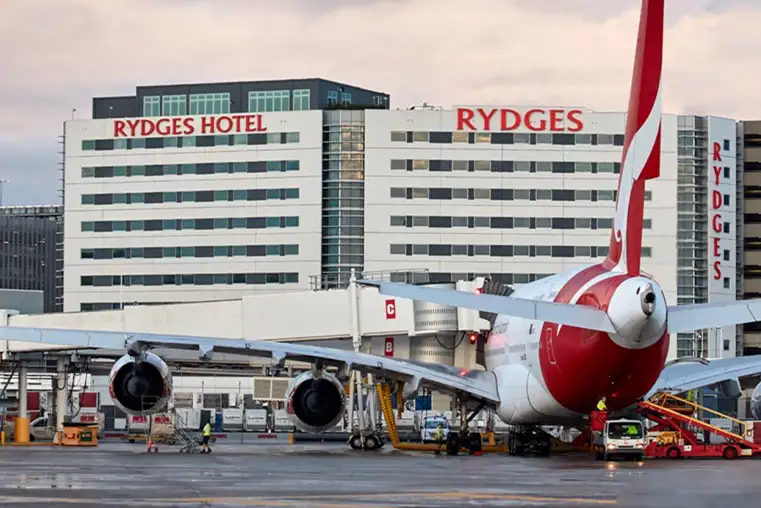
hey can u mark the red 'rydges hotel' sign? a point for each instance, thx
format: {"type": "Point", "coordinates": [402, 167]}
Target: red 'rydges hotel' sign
{"type": "Point", "coordinates": [244, 123]}
{"type": "Point", "coordinates": [506, 119]}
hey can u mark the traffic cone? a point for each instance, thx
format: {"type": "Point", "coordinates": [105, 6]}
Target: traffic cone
{"type": "Point", "coordinates": [150, 445]}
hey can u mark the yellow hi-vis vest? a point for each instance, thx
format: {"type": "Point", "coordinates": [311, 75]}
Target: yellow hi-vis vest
{"type": "Point", "coordinates": [601, 406]}
{"type": "Point", "coordinates": [207, 430]}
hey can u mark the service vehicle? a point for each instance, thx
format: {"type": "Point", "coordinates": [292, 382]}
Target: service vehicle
{"type": "Point", "coordinates": [620, 438]}
{"type": "Point", "coordinates": [428, 428]}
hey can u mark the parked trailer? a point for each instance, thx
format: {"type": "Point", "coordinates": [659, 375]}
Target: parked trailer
{"type": "Point", "coordinates": [256, 420]}
{"type": "Point", "coordinates": [282, 423]}
{"type": "Point", "coordinates": [232, 419]}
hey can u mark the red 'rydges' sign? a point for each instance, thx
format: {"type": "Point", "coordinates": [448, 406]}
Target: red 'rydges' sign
{"type": "Point", "coordinates": [717, 201]}
{"type": "Point", "coordinates": [189, 125]}
{"type": "Point", "coordinates": [505, 119]}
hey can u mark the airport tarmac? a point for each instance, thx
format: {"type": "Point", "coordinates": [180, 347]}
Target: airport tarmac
{"type": "Point", "coordinates": [333, 476]}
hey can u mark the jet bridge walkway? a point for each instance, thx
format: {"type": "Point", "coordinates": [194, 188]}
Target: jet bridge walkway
{"type": "Point", "coordinates": [329, 317]}
{"type": "Point", "coordinates": [675, 416]}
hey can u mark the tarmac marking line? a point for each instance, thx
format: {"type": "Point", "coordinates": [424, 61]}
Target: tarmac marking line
{"type": "Point", "coordinates": [286, 500]}
{"type": "Point", "coordinates": [519, 497]}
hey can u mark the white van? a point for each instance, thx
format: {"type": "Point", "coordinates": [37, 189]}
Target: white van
{"type": "Point", "coordinates": [428, 428]}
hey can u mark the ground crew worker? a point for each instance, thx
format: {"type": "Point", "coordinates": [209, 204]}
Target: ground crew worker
{"type": "Point", "coordinates": [632, 430]}
{"type": "Point", "coordinates": [601, 405]}
{"type": "Point", "coordinates": [206, 436]}
{"type": "Point", "coordinates": [438, 436]}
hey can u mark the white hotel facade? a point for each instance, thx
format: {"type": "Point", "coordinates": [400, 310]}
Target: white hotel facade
{"type": "Point", "coordinates": [159, 209]}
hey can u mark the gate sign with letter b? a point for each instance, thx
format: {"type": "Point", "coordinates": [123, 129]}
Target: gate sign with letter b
{"type": "Point", "coordinates": [390, 309]}
{"type": "Point", "coordinates": [389, 349]}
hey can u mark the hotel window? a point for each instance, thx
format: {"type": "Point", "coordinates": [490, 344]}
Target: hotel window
{"type": "Point", "coordinates": [152, 106]}
{"type": "Point", "coordinates": [174, 105]}
{"type": "Point", "coordinates": [345, 97]}
{"type": "Point", "coordinates": [209, 103]}
{"type": "Point", "coordinates": [332, 96]}
{"type": "Point", "coordinates": [301, 100]}
{"type": "Point", "coordinates": [272, 100]}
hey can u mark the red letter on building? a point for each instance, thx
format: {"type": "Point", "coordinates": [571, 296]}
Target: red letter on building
{"type": "Point", "coordinates": [716, 249]}
{"type": "Point", "coordinates": [718, 200]}
{"type": "Point", "coordinates": [516, 119]}
{"type": "Point", "coordinates": [556, 120]}
{"type": "Point", "coordinates": [487, 117]}
{"type": "Point", "coordinates": [716, 223]}
{"type": "Point", "coordinates": [716, 151]}
{"type": "Point", "coordinates": [207, 125]}
{"type": "Point", "coordinates": [189, 127]}
{"type": "Point", "coordinates": [527, 120]}
{"type": "Point", "coordinates": [224, 124]}
{"type": "Point", "coordinates": [163, 126]}
{"type": "Point", "coordinates": [717, 173]}
{"type": "Point", "coordinates": [716, 270]}
{"type": "Point", "coordinates": [464, 117]}
{"type": "Point", "coordinates": [578, 125]}
{"type": "Point", "coordinates": [119, 126]}
{"type": "Point", "coordinates": [147, 127]}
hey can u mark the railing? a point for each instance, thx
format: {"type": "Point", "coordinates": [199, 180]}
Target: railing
{"type": "Point", "coordinates": [340, 280]}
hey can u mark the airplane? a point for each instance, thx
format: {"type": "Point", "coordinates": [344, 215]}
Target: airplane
{"type": "Point", "coordinates": [557, 346]}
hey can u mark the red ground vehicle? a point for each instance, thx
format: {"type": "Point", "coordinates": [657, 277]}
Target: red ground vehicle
{"type": "Point", "coordinates": [674, 417]}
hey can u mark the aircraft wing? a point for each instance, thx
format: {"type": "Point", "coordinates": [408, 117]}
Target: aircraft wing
{"type": "Point", "coordinates": [689, 375]}
{"type": "Point", "coordinates": [687, 318]}
{"type": "Point", "coordinates": [479, 385]}
{"type": "Point", "coordinates": [562, 313]}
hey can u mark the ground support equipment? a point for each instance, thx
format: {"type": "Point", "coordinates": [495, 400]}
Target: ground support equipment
{"type": "Point", "coordinates": [473, 443]}
{"type": "Point", "coordinates": [679, 431]}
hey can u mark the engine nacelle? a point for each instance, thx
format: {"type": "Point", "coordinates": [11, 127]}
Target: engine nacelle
{"type": "Point", "coordinates": [140, 387]}
{"type": "Point", "coordinates": [315, 404]}
{"type": "Point", "coordinates": [755, 402]}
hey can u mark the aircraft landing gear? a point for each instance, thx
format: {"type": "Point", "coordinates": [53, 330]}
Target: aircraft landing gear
{"type": "Point", "coordinates": [529, 440]}
{"type": "Point", "coordinates": [471, 441]}
{"type": "Point", "coordinates": [369, 441]}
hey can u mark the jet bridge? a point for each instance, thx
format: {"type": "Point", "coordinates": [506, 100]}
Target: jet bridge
{"type": "Point", "coordinates": [387, 326]}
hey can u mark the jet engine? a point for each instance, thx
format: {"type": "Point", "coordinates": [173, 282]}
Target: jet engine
{"type": "Point", "coordinates": [140, 385]}
{"type": "Point", "coordinates": [755, 402]}
{"type": "Point", "coordinates": [315, 404]}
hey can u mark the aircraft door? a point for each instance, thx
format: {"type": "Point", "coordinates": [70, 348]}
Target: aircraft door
{"type": "Point", "coordinates": [549, 334]}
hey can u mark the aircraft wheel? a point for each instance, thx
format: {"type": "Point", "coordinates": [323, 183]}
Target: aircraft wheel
{"type": "Point", "coordinates": [355, 442]}
{"type": "Point", "coordinates": [453, 443]}
{"type": "Point", "coordinates": [730, 452]}
{"type": "Point", "coordinates": [371, 443]}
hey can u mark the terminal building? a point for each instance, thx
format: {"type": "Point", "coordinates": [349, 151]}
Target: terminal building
{"type": "Point", "coordinates": [239, 210]}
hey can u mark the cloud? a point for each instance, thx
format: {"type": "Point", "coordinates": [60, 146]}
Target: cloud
{"type": "Point", "coordinates": [57, 55]}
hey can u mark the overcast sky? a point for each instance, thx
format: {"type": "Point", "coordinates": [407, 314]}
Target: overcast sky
{"type": "Point", "coordinates": [58, 54]}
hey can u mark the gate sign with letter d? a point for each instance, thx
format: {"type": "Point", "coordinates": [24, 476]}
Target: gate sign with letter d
{"type": "Point", "coordinates": [390, 309]}
{"type": "Point", "coordinates": [389, 349]}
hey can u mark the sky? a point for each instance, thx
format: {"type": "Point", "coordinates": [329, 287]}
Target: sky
{"type": "Point", "coordinates": [59, 54]}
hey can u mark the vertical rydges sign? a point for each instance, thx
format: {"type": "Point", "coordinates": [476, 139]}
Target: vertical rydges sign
{"type": "Point", "coordinates": [722, 223]}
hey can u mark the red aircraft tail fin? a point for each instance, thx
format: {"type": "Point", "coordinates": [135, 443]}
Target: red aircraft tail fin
{"type": "Point", "coordinates": [641, 159]}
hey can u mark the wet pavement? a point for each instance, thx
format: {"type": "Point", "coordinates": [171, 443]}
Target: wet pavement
{"type": "Point", "coordinates": [332, 476]}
